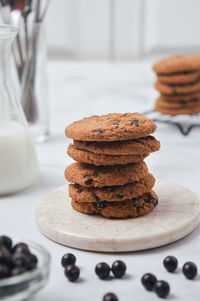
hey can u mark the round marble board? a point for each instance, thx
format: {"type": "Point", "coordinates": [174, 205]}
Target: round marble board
{"type": "Point", "coordinates": [177, 214]}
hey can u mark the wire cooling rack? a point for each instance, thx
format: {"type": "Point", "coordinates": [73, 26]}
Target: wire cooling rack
{"type": "Point", "coordinates": [185, 123]}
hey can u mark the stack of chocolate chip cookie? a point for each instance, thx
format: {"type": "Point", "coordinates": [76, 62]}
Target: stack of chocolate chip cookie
{"type": "Point", "coordinates": [110, 177]}
{"type": "Point", "coordinates": [178, 84]}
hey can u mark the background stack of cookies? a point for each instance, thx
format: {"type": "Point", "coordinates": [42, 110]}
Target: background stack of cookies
{"type": "Point", "coordinates": [110, 177]}
{"type": "Point", "coordinates": [178, 84]}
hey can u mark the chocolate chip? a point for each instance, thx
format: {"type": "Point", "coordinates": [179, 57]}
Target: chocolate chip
{"type": "Point", "coordinates": [110, 188]}
{"type": "Point", "coordinates": [150, 200]}
{"type": "Point", "coordinates": [119, 196]}
{"type": "Point", "coordinates": [88, 182]}
{"type": "Point", "coordinates": [125, 115]}
{"type": "Point", "coordinates": [135, 121]}
{"type": "Point", "coordinates": [98, 131]}
{"type": "Point", "coordinates": [174, 90]}
{"type": "Point", "coordinates": [155, 203]}
{"type": "Point", "coordinates": [77, 185]}
{"type": "Point", "coordinates": [100, 205]}
{"type": "Point", "coordinates": [96, 197]}
{"type": "Point", "coordinates": [87, 143]}
{"type": "Point", "coordinates": [182, 102]}
{"type": "Point", "coordinates": [145, 138]}
{"type": "Point", "coordinates": [79, 191]}
{"type": "Point", "coordinates": [194, 99]}
{"type": "Point", "coordinates": [136, 199]}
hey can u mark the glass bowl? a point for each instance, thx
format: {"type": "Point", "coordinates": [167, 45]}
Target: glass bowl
{"type": "Point", "coordinates": [23, 286]}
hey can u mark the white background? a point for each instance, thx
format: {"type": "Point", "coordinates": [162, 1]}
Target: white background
{"type": "Point", "coordinates": [122, 29]}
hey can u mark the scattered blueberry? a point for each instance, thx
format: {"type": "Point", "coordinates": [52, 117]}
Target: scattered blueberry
{"type": "Point", "coordinates": [68, 259]}
{"type": "Point", "coordinates": [189, 270]}
{"type": "Point", "coordinates": [161, 288]}
{"type": "Point", "coordinates": [148, 280]}
{"type": "Point", "coordinates": [110, 297]}
{"type": "Point", "coordinates": [72, 272]}
{"type": "Point", "coordinates": [118, 268]}
{"type": "Point", "coordinates": [170, 263]}
{"type": "Point", "coordinates": [102, 270]}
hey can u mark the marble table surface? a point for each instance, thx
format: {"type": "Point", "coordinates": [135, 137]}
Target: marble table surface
{"type": "Point", "coordinates": [78, 89]}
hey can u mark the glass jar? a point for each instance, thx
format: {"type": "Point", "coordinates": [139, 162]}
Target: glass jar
{"type": "Point", "coordinates": [34, 86]}
{"type": "Point", "coordinates": [18, 161]}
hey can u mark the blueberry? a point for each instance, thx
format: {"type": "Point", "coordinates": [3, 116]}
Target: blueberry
{"type": "Point", "coordinates": [170, 263]}
{"type": "Point", "coordinates": [68, 259]}
{"type": "Point", "coordinates": [5, 255]}
{"type": "Point", "coordinates": [148, 280]}
{"type": "Point", "coordinates": [110, 297]}
{"type": "Point", "coordinates": [4, 271]}
{"type": "Point", "coordinates": [189, 270]}
{"type": "Point", "coordinates": [161, 289]}
{"type": "Point", "coordinates": [5, 241]}
{"type": "Point", "coordinates": [32, 262]}
{"type": "Point", "coordinates": [102, 270]}
{"type": "Point", "coordinates": [20, 260]}
{"type": "Point", "coordinates": [18, 271]}
{"type": "Point", "coordinates": [72, 272]}
{"type": "Point", "coordinates": [118, 268]}
{"type": "Point", "coordinates": [21, 248]}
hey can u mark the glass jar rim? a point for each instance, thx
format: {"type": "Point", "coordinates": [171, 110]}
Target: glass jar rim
{"type": "Point", "coordinates": [7, 31]}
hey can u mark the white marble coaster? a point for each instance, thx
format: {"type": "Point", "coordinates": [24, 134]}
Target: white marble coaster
{"type": "Point", "coordinates": [177, 214]}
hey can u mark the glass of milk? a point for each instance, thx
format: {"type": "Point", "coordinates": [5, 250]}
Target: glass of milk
{"type": "Point", "coordinates": [18, 161]}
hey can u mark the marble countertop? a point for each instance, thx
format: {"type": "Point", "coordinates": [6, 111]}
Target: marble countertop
{"type": "Point", "coordinates": [78, 89]}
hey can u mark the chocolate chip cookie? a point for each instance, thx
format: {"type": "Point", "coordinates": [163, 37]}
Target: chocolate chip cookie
{"type": "Point", "coordinates": [99, 176]}
{"type": "Point", "coordinates": [84, 156]}
{"type": "Point", "coordinates": [111, 127]}
{"type": "Point", "coordinates": [143, 145]}
{"type": "Point", "coordinates": [135, 207]}
{"type": "Point", "coordinates": [177, 89]}
{"type": "Point", "coordinates": [111, 193]}
{"type": "Point", "coordinates": [178, 64]}
{"type": "Point", "coordinates": [179, 78]}
{"type": "Point", "coordinates": [177, 111]}
{"type": "Point", "coordinates": [162, 102]}
{"type": "Point", "coordinates": [185, 97]}
{"type": "Point", "coordinates": [110, 177]}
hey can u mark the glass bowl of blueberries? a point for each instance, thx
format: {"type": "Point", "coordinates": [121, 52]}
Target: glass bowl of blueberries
{"type": "Point", "coordinates": [24, 269]}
